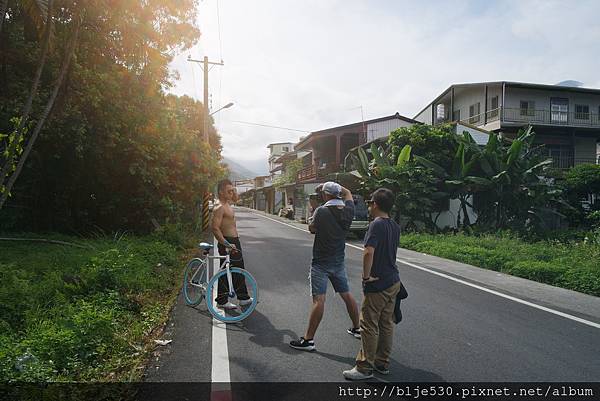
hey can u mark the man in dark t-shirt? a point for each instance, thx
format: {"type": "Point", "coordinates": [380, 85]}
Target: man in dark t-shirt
{"type": "Point", "coordinates": [329, 223]}
{"type": "Point", "coordinates": [381, 283]}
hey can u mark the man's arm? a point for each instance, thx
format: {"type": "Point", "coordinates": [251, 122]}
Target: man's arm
{"type": "Point", "coordinates": [370, 243]}
{"type": "Point", "coordinates": [346, 194]}
{"type": "Point", "coordinates": [368, 264]}
{"type": "Point", "coordinates": [311, 224]}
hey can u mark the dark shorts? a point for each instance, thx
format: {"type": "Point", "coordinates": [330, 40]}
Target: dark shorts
{"type": "Point", "coordinates": [319, 275]}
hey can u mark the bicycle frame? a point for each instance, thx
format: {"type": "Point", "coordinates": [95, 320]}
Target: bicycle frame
{"type": "Point", "coordinates": [227, 263]}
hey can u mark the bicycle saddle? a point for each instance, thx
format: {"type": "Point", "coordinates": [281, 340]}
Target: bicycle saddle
{"type": "Point", "coordinates": [205, 246]}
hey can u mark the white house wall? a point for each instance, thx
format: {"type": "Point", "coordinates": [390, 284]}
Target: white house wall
{"type": "Point", "coordinates": [382, 129]}
{"type": "Point", "coordinates": [448, 218]}
{"type": "Point", "coordinates": [424, 116]}
{"type": "Point", "coordinates": [466, 97]}
{"type": "Point", "coordinates": [514, 96]}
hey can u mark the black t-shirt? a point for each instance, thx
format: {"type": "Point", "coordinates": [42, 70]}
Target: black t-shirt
{"type": "Point", "coordinates": [330, 224]}
{"type": "Point", "coordinates": [384, 236]}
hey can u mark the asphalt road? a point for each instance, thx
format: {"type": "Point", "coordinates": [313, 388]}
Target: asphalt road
{"type": "Point", "coordinates": [450, 332]}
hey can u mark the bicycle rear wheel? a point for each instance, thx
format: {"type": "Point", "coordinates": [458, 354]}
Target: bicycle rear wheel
{"type": "Point", "coordinates": [194, 282]}
{"type": "Point", "coordinates": [244, 286]}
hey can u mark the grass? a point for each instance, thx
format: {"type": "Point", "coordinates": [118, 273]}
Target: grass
{"type": "Point", "coordinates": [83, 314]}
{"type": "Point", "coordinates": [572, 265]}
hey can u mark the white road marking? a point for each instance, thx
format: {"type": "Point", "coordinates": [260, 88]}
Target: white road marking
{"type": "Point", "coordinates": [220, 352]}
{"type": "Point", "coordinates": [515, 299]}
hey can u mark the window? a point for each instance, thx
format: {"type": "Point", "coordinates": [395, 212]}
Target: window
{"type": "Point", "coordinates": [474, 111]}
{"type": "Point", "coordinates": [562, 155]}
{"type": "Point", "coordinates": [582, 112]}
{"type": "Point", "coordinates": [527, 108]}
{"type": "Point", "coordinates": [441, 112]}
{"type": "Point", "coordinates": [286, 149]}
{"type": "Point", "coordinates": [493, 107]}
{"type": "Point", "coordinates": [456, 115]}
{"type": "Point", "coordinates": [559, 110]}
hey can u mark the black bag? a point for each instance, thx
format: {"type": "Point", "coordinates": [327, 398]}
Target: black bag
{"type": "Point", "coordinates": [402, 294]}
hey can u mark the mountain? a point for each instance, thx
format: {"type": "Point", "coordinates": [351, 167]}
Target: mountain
{"type": "Point", "coordinates": [237, 171]}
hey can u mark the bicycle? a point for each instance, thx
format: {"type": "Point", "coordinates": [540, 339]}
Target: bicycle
{"type": "Point", "coordinates": [196, 285]}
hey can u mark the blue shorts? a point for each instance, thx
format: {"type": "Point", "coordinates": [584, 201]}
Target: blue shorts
{"type": "Point", "coordinates": [319, 275]}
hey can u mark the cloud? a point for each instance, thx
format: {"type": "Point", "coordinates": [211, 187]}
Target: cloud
{"type": "Point", "coordinates": [309, 65]}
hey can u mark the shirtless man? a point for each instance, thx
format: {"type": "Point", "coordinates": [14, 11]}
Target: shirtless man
{"type": "Point", "coordinates": [225, 231]}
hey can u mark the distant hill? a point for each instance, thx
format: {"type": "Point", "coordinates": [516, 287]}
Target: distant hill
{"type": "Point", "coordinates": [237, 171]}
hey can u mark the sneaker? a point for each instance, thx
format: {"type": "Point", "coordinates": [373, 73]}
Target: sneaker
{"type": "Point", "coordinates": [244, 302]}
{"type": "Point", "coordinates": [228, 305]}
{"type": "Point", "coordinates": [382, 370]}
{"type": "Point", "coordinates": [303, 344]}
{"type": "Point", "coordinates": [354, 332]}
{"type": "Point", "coordinates": [355, 374]}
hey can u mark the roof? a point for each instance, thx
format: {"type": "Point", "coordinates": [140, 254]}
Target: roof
{"type": "Point", "coordinates": [515, 84]}
{"type": "Point", "coordinates": [279, 143]}
{"type": "Point", "coordinates": [359, 124]}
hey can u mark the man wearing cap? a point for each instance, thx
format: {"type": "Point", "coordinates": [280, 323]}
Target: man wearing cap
{"type": "Point", "coordinates": [329, 224]}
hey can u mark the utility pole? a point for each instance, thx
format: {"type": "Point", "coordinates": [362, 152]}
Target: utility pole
{"type": "Point", "coordinates": [205, 193]}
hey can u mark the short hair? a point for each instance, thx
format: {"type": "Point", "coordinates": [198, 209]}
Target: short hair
{"type": "Point", "coordinates": [222, 184]}
{"type": "Point", "coordinates": [384, 199]}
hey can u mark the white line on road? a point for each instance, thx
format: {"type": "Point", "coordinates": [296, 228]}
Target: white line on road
{"type": "Point", "coordinates": [220, 352]}
{"type": "Point", "coordinates": [515, 299]}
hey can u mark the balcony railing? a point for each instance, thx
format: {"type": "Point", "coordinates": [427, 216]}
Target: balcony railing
{"type": "Point", "coordinates": [548, 117]}
{"type": "Point", "coordinates": [565, 162]}
{"type": "Point", "coordinates": [312, 172]}
{"type": "Point", "coordinates": [533, 116]}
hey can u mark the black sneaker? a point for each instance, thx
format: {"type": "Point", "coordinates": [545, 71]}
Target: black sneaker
{"type": "Point", "coordinates": [354, 332]}
{"type": "Point", "coordinates": [303, 344]}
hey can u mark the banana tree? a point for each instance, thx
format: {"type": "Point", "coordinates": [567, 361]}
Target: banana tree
{"type": "Point", "coordinates": [412, 185]}
{"type": "Point", "coordinates": [458, 182]}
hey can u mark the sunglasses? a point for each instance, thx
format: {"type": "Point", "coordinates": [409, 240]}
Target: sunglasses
{"type": "Point", "coordinates": [370, 202]}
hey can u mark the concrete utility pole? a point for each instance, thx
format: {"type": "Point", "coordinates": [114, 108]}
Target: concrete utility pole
{"type": "Point", "coordinates": [205, 195]}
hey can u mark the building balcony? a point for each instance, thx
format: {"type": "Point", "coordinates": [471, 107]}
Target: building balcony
{"type": "Point", "coordinates": [311, 172]}
{"type": "Point", "coordinates": [534, 117]}
{"type": "Point", "coordinates": [567, 162]}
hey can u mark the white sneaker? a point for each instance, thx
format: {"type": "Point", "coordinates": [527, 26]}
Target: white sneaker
{"type": "Point", "coordinates": [244, 302]}
{"type": "Point", "coordinates": [228, 305]}
{"type": "Point", "coordinates": [354, 374]}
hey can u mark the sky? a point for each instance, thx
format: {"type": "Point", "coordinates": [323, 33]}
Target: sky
{"type": "Point", "coordinates": [313, 64]}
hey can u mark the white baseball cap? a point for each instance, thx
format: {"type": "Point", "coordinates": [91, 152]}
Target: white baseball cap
{"type": "Point", "coordinates": [333, 188]}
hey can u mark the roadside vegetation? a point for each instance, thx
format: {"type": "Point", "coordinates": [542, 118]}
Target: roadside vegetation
{"type": "Point", "coordinates": [566, 263]}
{"type": "Point", "coordinates": [532, 221]}
{"type": "Point", "coordinates": [86, 313]}
{"type": "Point", "coordinates": [92, 144]}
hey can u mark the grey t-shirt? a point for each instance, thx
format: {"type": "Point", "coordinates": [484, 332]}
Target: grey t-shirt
{"type": "Point", "coordinates": [383, 235]}
{"type": "Point", "coordinates": [331, 223]}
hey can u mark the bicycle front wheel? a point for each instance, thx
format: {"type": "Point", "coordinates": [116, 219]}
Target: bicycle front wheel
{"type": "Point", "coordinates": [244, 295]}
{"type": "Point", "coordinates": [194, 282]}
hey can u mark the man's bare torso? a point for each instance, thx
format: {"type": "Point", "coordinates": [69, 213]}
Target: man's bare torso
{"type": "Point", "coordinates": [228, 227]}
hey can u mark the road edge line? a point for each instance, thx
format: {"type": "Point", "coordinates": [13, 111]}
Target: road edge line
{"type": "Point", "coordinates": [497, 293]}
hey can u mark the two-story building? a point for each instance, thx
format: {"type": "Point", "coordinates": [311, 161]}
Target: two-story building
{"type": "Point", "coordinates": [325, 151]}
{"type": "Point", "coordinates": [565, 119]}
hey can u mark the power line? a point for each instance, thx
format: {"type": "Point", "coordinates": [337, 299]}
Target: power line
{"type": "Point", "coordinates": [268, 126]}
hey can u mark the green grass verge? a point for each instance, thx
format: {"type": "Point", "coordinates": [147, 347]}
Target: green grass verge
{"type": "Point", "coordinates": [83, 314]}
{"type": "Point", "coordinates": [571, 265]}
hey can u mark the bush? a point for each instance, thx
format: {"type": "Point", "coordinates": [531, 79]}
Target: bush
{"type": "Point", "coordinates": [544, 272]}
{"type": "Point", "coordinates": [567, 263]}
{"type": "Point", "coordinates": [71, 314]}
